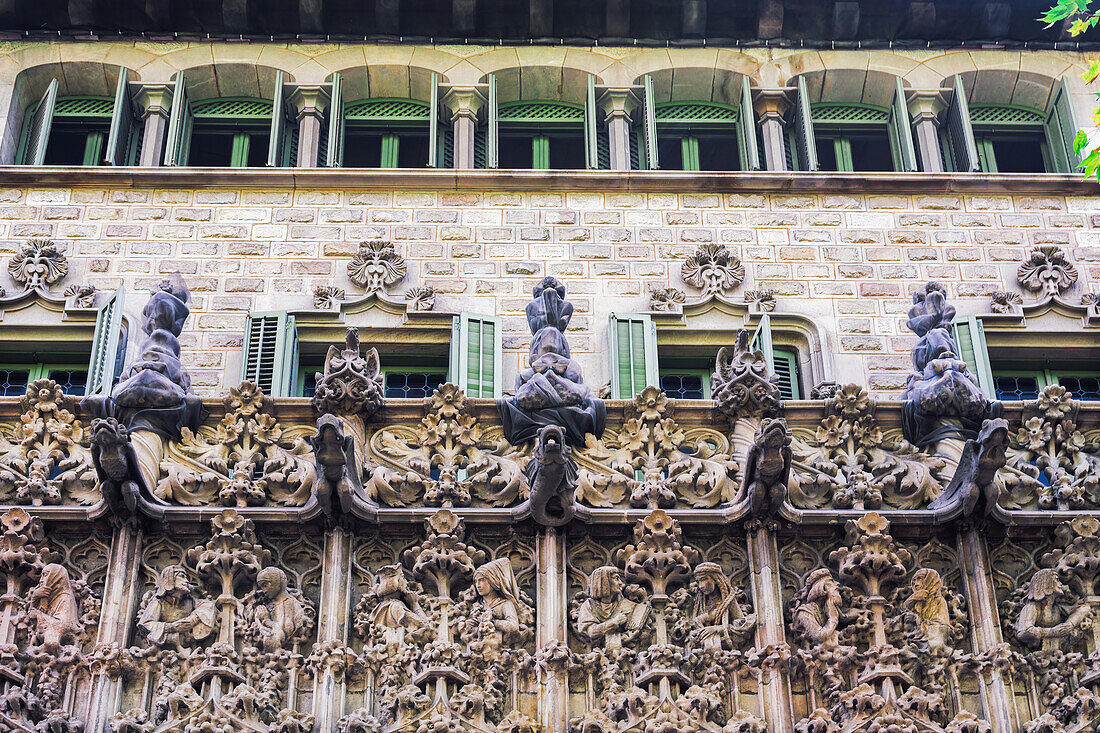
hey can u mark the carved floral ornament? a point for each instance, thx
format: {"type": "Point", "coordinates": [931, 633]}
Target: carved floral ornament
{"type": "Point", "coordinates": [376, 266]}
{"type": "Point", "coordinates": [713, 269]}
{"type": "Point", "coordinates": [37, 265]}
{"type": "Point", "coordinates": [1046, 271]}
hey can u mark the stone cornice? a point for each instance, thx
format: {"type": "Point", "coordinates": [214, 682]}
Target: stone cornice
{"type": "Point", "coordinates": [581, 180]}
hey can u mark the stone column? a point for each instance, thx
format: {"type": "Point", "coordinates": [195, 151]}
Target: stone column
{"type": "Point", "coordinates": [617, 106]}
{"type": "Point", "coordinates": [551, 590]}
{"type": "Point", "coordinates": [121, 597]}
{"type": "Point", "coordinates": [771, 106]}
{"type": "Point", "coordinates": [311, 102]}
{"type": "Point", "coordinates": [770, 635]}
{"type": "Point", "coordinates": [924, 109]}
{"type": "Point", "coordinates": [464, 103]}
{"type": "Point", "coordinates": [981, 605]}
{"type": "Point", "coordinates": [333, 613]}
{"type": "Point", "coordinates": [155, 101]}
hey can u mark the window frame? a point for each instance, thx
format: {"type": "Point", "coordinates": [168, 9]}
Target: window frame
{"type": "Point", "coordinates": [541, 129]}
{"type": "Point", "coordinates": [985, 134]}
{"type": "Point", "coordinates": [389, 127]}
{"type": "Point", "coordinates": [1045, 377]}
{"type": "Point", "coordinates": [703, 374]}
{"type": "Point", "coordinates": [42, 369]}
{"type": "Point", "coordinates": [689, 130]}
{"type": "Point", "coordinates": [308, 365]}
{"type": "Point", "coordinates": [95, 140]}
{"type": "Point", "coordinates": [241, 127]}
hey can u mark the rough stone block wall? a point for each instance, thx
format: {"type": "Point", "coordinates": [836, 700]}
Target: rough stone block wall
{"type": "Point", "coordinates": [850, 262]}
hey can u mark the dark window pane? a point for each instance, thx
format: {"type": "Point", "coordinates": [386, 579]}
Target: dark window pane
{"type": "Point", "coordinates": [362, 149]}
{"type": "Point", "coordinates": [826, 153]}
{"type": "Point", "coordinates": [309, 386]}
{"type": "Point", "coordinates": [71, 381]}
{"type": "Point", "coordinates": [683, 386]}
{"type": "Point", "coordinates": [872, 154]}
{"type": "Point", "coordinates": [257, 149]}
{"type": "Point", "coordinates": [670, 152]}
{"type": "Point", "coordinates": [210, 149]}
{"type": "Point", "coordinates": [1082, 388]}
{"type": "Point", "coordinates": [13, 382]}
{"type": "Point", "coordinates": [1016, 388]}
{"type": "Point", "coordinates": [515, 151]}
{"type": "Point", "coordinates": [567, 152]}
{"type": "Point", "coordinates": [1019, 155]}
{"type": "Point", "coordinates": [66, 146]}
{"type": "Point", "coordinates": [412, 151]}
{"type": "Point", "coordinates": [415, 385]}
{"type": "Point", "coordinates": [718, 153]}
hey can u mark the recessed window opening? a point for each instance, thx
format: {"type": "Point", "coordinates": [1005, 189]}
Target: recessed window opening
{"type": "Point", "coordinates": [78, 132]}
{"type": "Point", "coordinates": [230, 133]}
{"type": "Point", "coordinates": [697, 137]}
{"type": "Point", "coordinates": [405, 376]}
{"type": "Point", "coordinates": [542, 136]}
{"type": "Point", "coordinates": [386, 133]}
{"type": "Point", "coordinates": [17, 370]}
{"type": "Point", "coordinates": [852, 138]}
{"type": "Point", "coordinates": [1010, 140]}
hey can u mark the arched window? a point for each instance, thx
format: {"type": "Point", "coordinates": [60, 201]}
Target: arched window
{"type": "Point", "coordinates": [541, 135]}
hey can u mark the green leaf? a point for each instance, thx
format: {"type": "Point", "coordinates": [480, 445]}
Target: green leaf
{"type": "Point", "coordinates": [1080, 141]}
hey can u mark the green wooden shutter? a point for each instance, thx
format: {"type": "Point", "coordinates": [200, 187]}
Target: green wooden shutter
{"type": "Point", "coordinates": [122, 123]}
{"type": "Point", "coordinates": [492, 128]}
{"type": "Point", "coordinates": [476, 355]}
{"type": "Point", "coordinates": [786, 368]}
{"type": "Point", "coordinates": [270, 358]}
{"type": "Point", "coordinates": [805, 145]}
{"type": "Point", "coordinates": [1060, 126]}
{"type": "Point", "coordinates": [901, 132]}
{"type": "Point", "coordinates": [747, 148]}
{"type": "Point", "coordinates": [689, 153]}
{"type": "Point", "coordinates": [334, 145]}
{"type": "Point", "coordinates": [103, 361]}
{"type": "Point", "coordinates": [38, 128]}
{"type": "Point", "coordinates": [960, 131]}
{"type": "Point", "coordinates": [762, 341]}
{"type": "Point", "coordinates": [633, 342]}
{"type": "Point", "coordinates": [434, 148]}
{"type": "Point", "coordinates": [969, 335]}
{"type": "Point", "coordinates": [649, 125]}
{"type": "Point", "coordinates": [591, 125]}
{"type": "Point", "coordinates": [277, 138]}
{"type": "Point", "coordinates": [178, 140]}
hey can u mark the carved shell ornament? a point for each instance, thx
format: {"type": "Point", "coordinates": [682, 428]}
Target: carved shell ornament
{"type": "Point", "coordinates": [1046, 271]}
{"type": "Point", "coordinates": [38, 265]}
{"type": "Point", "coordinates": [376, 266]}
{"type": "Point", "coordinates": [713, 269]}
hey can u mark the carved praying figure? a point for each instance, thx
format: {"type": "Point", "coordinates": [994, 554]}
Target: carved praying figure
{"type": "Point", "coordinates": [278, 616]}
{"type": "Point", "coordinates": [607, 617]}
{"type": "Point", "coordinates": [171, 616]}
{"type": "Point", "coordinates": [817, 613]}
{"type": "Point", "coordinates": [931, 609]}
{"type": "Point", "coordinates": [1043, 621]}
{"type": "Point", "coordinates": [717, 618]}
{"type": "Point", "coordinates": [398, 614]}
{"type": "Point", "coordinates": [501, 613]}
{"type": "Point", "coordinates": [54, 608]}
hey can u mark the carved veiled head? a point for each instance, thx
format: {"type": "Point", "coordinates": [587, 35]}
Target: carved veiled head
{"type": "Point", "coordinates": [821, 586]}
{"type": "Point", "coordinates": [711, 578]}
{"type": "Point", "coordinates": [605, 584]}
{"type": "Point", "coordinates": [496, 578]}
{"type": "Point", "coordinates": [271, 581]}
{"type": "Point", "coordinates": [173, 581]}
{"type": "Point", "coordinates": [1045, 586]}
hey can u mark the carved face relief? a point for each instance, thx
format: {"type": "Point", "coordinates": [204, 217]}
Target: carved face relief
{"type": "Point", "coordinates": [38, 265]}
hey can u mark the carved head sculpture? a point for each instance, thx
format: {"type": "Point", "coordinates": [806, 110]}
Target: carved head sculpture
{"type": "Point", "coordinates": [272, 582]}
{"type": "Point", "coordinates": [496, 579]}
{"type": "Point", "coordinates": [927, 598]}
{"type": "Point", "coordinates": [391, 582]}
{"type": "Point", "coordinates": [715, 593]}
{"type": "Point", "coordinates": [38, 264]}
{"type": "Point", "coordinates": [605, 585]}
{"type": "Point", "coordinates": [1045, 587]}
{"type": "Point", "coordinates": [57, 612]}
{"type": "Point", "coordinates": [173, 583]}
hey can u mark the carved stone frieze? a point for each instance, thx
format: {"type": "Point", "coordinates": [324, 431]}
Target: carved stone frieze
{"type": "Point", "coordinates": [713, 269]}
{"type": "Point", "coordinates": [37, 265]}
{"type": "Point", "coordinates": [376, 266]}
{"type": "Point", "coordinates": [44, 458]}
{"type": "Point", "coordinates": [1046, 271]}
{"type": "Point", "coordinates": [247, 459]}
{"type": "Point", "coordinates": [850, 462]}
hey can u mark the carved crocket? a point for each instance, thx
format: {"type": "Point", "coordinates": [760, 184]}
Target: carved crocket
{"type": "Point", "coordinates": [553, 478]}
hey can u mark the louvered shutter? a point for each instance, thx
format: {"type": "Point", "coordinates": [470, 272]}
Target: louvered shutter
{"type": "Point", "coordinates": [38, 129]}
{"type": "Point", "coordinates": [1060, 125]}
{"type": "Point", "coordinates": [762, 341]}
{"type": "Point", "coordinates": [492, 127]}
{"type": "Point", "coordinates": [747, 147]}
{"type": "Point", "coordinates": [270, 358]}
{"type": "Point", "coordinates": [122, 123]}
{"type": "Point", "coordinates": [901, 132]}
{"type": "Point", "coordinates": [633, 342]}
{"type": "Point", "coordinates": [334, 139]}
{"type": "Point", "coordinates": [591, 126]}
{"type": "Point", "coordinates": [178, 140]}
{"type": "Point", "coordinates": [786, 368]}
{"type": "Point", "coordinates": [277, 141]}
{"type": "Point", "coordinates": [804, 143]}
{"type": "Point", "coordinates": [969, 335]}
{"type": "Point", "coordinates": [649, 124]}
{"type": "Point", "coordinates": [476, 355]}
{"type": "Point", "coordinates": [963, 149]}
{"type": "Point", "coordinates": [103, 363]}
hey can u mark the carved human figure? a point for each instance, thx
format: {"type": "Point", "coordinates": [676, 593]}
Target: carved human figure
{"type": "Point", "coordinates": [171, 616]}
{"type": "Point", "coordinates": [817, 612]}
{"type": "Point", "coordinates": [607, 617]}
{"type": "Point", "coordinates": [398, 614]}
{"type": "Point", "coordinates": [500, 611]}
{"type": "Point", "coordinates": [1043, 621]}
{"type": "Point", "coordinates": [278, 616]}
{"type": "Point", "coordinates": [717, 618]}
{"type": "Point", "coordinates": [931, 609]}
{"type": "Point", "coordinates": [54, 608]}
